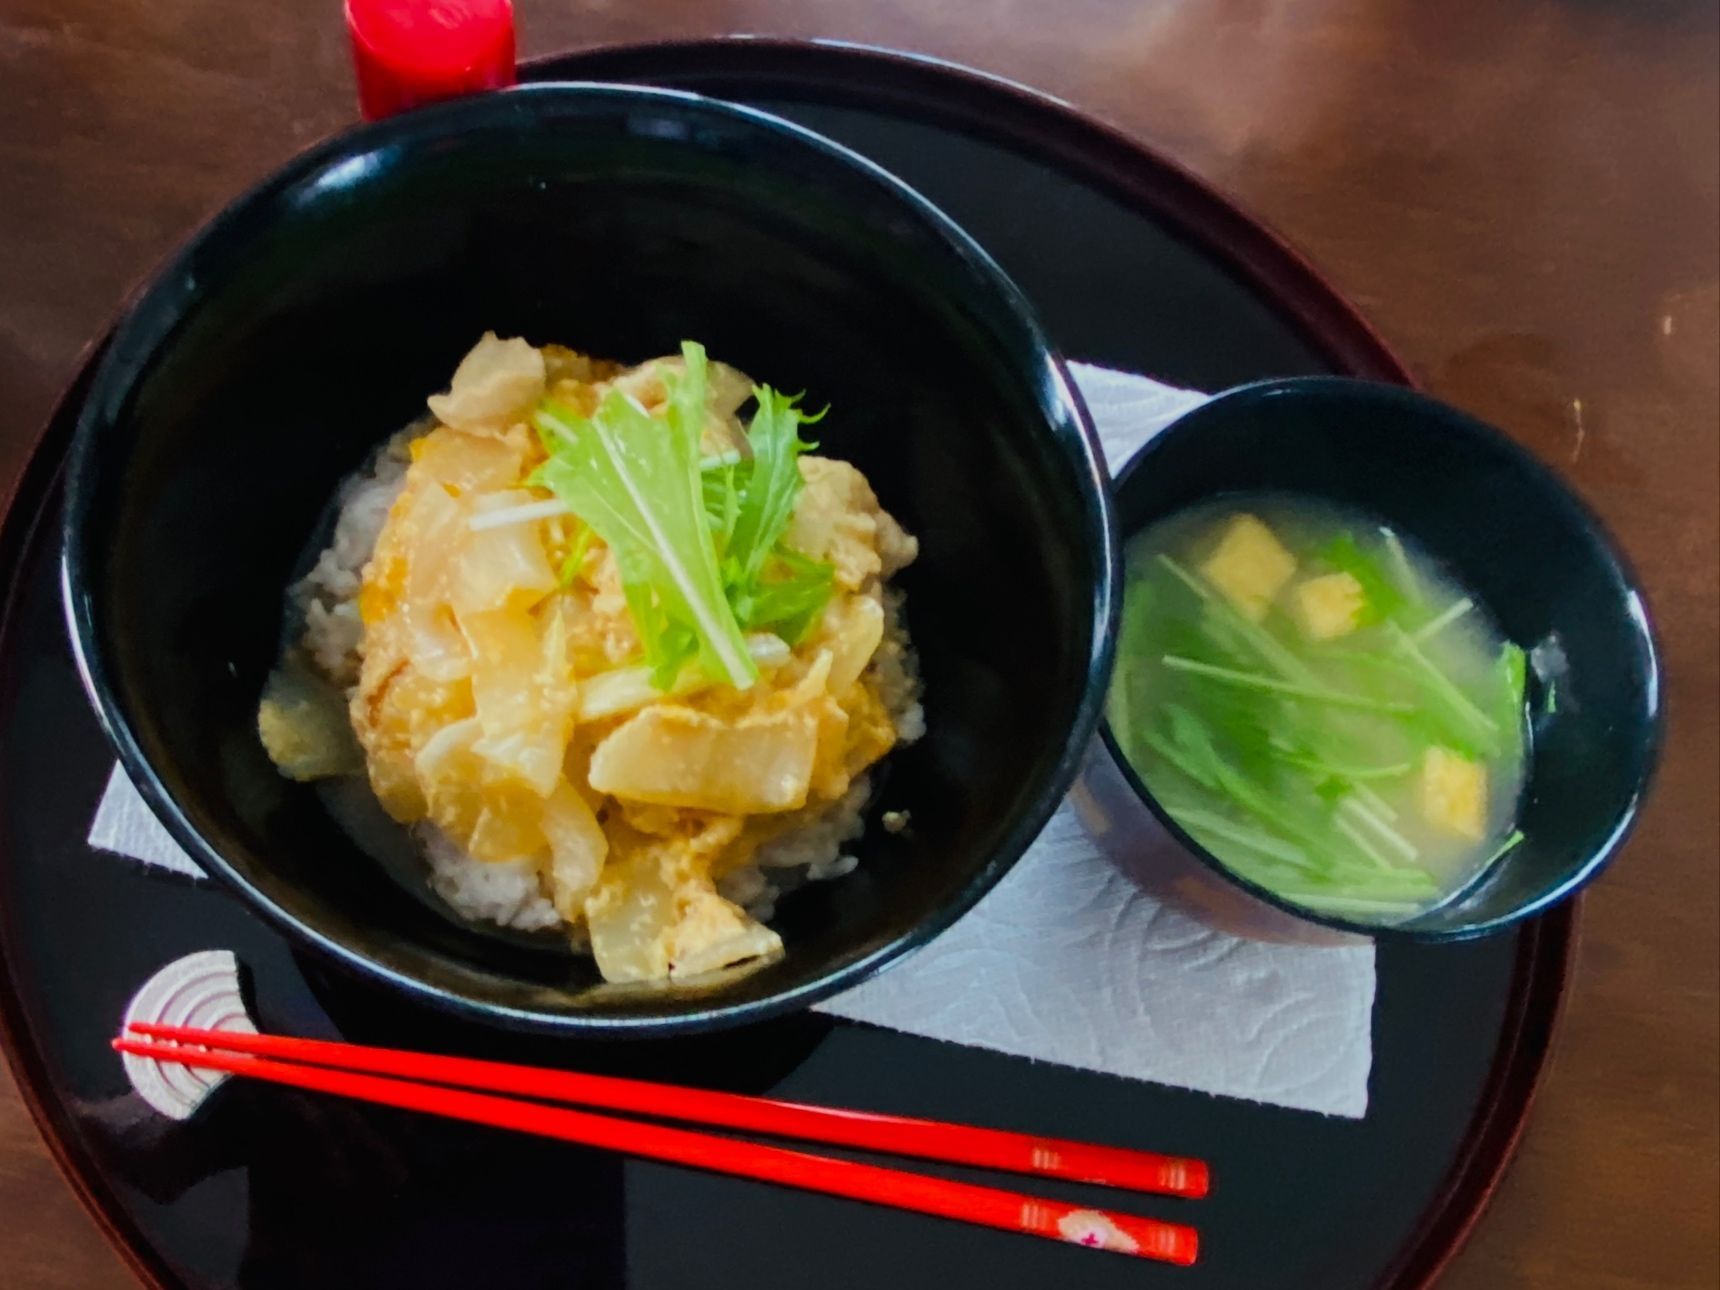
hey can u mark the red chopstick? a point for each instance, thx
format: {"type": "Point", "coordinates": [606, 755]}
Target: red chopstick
{"type": "Point", "coordinates": [893, 1134]}
{"type": "Point", "coordinates": [1146, 1238]}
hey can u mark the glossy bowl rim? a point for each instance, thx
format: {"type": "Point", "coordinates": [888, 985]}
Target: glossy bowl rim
{"type": "Point", "coordinates": [1057, 393]}
{"type": "Point", "coordinates": [1401, 398]}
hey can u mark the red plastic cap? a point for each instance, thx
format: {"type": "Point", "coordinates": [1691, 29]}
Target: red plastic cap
{"type": "Point", "coordinates": [408, 52]}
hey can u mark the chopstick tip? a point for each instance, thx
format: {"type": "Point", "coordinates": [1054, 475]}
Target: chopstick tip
{"type": "Point", "coordinates": [1198, 1180]}
{"type": "Point", "coordinates": [1176, 1244]}
{"type": "Point", "coordinates": [1185, 1251]}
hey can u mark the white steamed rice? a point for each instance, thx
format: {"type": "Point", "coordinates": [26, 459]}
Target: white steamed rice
{"type": "Point", "coordinates": [327, 596]}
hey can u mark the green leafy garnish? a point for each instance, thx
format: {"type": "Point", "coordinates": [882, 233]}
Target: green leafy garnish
{"type": "Point", "coordinates": [1513, 683]}
{"type": "Point", "coordinates": [1440, 621]}
{"type": "Point", "coordinates": [699, 541]}
{"type": "Point", "coordinates": [1510, 843]}
{"type": "Point", "coordinates": [1406, 578]}
{"type": "Point", "coordinates": [1235, 633]}
{"type": "Point", "coordinates": [1254, 681]}
{"type": "Point", "coordinates": [722, 497]}
{"type": "Point", "coordinates": [1452, 714]}
{"type": "Point", "coordinates": [771, 587]}
{"type": "Point", "coordinates": [769, 487]}
{"type": "Point", "coordinates": [790, 595]}
{"type": "Point", "coordinates": [635, 479]}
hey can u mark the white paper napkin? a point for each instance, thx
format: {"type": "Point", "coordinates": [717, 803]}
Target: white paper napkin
{"type": "Point", "coordinates": [1066, 960]}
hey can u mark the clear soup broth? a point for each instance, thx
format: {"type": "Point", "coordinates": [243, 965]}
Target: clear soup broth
{"type": "Point", "coordinates": [1319, 704]}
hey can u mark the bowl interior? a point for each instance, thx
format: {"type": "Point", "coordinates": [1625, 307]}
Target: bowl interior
{"type": "Point", "coordinates": [1514, 537]}
{"type": "Point", "coordinates": [311, 320]}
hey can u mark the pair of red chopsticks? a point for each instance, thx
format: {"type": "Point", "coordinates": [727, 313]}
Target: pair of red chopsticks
{"type": "Point", "coordinates": [445, 1086]}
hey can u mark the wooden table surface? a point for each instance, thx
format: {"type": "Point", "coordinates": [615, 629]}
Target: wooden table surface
{"type": "Point", "coordinates": [1520, 193]}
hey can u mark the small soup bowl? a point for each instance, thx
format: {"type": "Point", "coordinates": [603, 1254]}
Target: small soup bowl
{"type": "Point", "coordinates": [1516, 539]}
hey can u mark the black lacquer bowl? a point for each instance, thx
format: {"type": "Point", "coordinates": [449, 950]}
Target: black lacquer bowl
{"type": "Point", "coordinates": [310, 319]}
{"type": "Point", "coordinates": [1514, 536]}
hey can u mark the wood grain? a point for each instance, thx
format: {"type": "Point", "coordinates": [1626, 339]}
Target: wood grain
{"type": "Point", "coordinates": [1522, 194]}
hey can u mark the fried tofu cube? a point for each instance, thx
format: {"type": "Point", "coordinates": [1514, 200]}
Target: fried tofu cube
{"type": "Point", "coordinates": [1454, 793]}
{"type": "Point", "coordinates": [1329, 606]}
{"type": "Point", "coordinates": [1250, 566]}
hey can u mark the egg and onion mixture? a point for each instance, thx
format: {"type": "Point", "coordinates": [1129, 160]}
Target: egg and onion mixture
{"type": "Point", "coordinates": [608, 630]}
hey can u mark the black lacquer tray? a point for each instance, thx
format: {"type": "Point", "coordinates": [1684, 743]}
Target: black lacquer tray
{"type": "Point", "coordinates": [1132, 263]}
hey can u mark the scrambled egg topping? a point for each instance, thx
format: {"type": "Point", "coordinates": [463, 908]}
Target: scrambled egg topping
{"type": "Point", "coordinates": [501, 696]}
